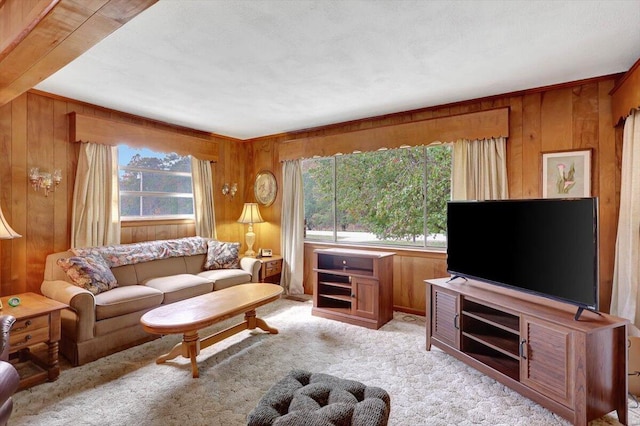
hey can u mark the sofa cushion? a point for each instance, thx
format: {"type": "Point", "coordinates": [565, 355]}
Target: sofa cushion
{"type": "Point", "coordinates": [221, 255]}
{"type": "Point", "coordinates": [90, 272]}
{"type": "Point", "coordinates": [180, 287]}
{"type": "Point", "coordinates": [223, 278]}
{"type": "Point", "coordinates": [195, 263]}
{"type": "Point", "coordinates": [126, 299]}
{"type": "Point", "coordinates": [160, 268]}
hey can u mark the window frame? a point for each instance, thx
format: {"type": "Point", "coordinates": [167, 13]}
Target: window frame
{"type": "Point", "coordinates": [168, 219]}
{"type": "Point", "coordinates": [383, 243]}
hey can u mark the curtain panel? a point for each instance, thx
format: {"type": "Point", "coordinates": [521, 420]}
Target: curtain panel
{"type": "Point", "coordinates": [95, 219]}
{"type": "Point", "coordinates": [292, 228]}
{"type": "Point", "coordinates": [202, 177]}
{"type": "Point", "coordinates": [480, 170]}
{"type": "Point", "coordinates": [625, 298]}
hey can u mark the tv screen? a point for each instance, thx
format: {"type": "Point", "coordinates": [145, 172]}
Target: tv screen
{"type": "Point", "coordinates": [547, 247]}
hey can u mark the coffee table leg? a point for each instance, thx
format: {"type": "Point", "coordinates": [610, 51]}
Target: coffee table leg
{"type": "Point", "coordinates": [190, 349]}
{"type": "Point", "coordinates": [175, 351]}
{"type": "Point", "coordinates": [253, 322]}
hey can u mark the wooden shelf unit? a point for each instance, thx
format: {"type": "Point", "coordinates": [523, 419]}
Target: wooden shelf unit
{"type": "Point", "coordinates": [577, 369]}
{"type": "Point", "coordinates": [354, 286]}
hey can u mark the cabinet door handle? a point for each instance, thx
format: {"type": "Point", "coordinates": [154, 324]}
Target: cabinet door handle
{"type": "Point", "coordinates": [353, 295]}
{"type": "Point", "coordinates": [24, 342]}
{"type": "Point", "coordinates": [456, 322]}
{"type": "Point", "coordinates": [26, 325]}
{"type": "Point", "coordinates": [522, 349]}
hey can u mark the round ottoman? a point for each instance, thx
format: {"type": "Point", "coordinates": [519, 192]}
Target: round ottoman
{"type": "Point", "coordinates": [304, 398]}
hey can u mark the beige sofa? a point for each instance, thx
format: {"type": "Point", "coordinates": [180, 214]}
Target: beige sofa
{"type": "Point", "coordinates": [98, 325]}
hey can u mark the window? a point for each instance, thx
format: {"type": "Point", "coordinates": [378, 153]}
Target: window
{"type": "Point", "coordinates": [389, 197]}
{"type": "Point", "coordinates": [154, 185]}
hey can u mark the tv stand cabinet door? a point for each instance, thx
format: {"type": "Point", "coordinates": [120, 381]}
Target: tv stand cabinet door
{"type": "Point", "coordinates": [445, 316]}
{"type": "Point", "coordinates": [366, 298]}
{"type": "Point", "coordinates": [547, 352]}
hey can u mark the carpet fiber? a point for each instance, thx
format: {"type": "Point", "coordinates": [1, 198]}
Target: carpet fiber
{"type": "Point", "coordinates": [426, 388]}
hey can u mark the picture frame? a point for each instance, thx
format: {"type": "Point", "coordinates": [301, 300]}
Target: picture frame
{"type": "Point", "coordinates": [566, 174]}
{"type": "Point", "coordinates": [265, 188]}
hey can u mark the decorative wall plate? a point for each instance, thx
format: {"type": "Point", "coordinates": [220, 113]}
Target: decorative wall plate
{"type": "Point", "coordinates": [265, 188]}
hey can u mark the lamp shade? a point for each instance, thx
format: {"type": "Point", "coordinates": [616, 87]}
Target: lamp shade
{"type": "Point", "coordinates": [6, 232]}
{"type": "Point", "coordinates": [250, 214]}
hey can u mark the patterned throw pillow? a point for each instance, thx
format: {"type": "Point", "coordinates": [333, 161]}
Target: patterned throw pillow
{"type": "Point", "coordinates": [89, 272]}
{"type": "Point", "coordinates": [222, 255]}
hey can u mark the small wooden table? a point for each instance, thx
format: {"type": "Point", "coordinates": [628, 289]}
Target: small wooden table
{"type": "Point", "coordinates": [37, 321]}
{"type": "Point", "coordinates": [190, 315]}
{"type": "Point", "coordinates": [271, 269]}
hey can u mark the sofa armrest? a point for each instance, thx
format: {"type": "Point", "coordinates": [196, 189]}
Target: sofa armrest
{"type": "Point", "coordinates": [81, 301]}
{"type": "Point", "coordinates": [252, 266]}
{"type": "Point", "coordinates": [6, 322]}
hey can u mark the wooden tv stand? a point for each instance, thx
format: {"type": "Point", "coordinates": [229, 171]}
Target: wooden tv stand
{"type": "Point", "coordinates": [577, 369]}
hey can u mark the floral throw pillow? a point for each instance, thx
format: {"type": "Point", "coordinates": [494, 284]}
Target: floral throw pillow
{"type": "Point", "coordinates": [90, 272]}
{"type": "Point", "coordinates": [222, 255]}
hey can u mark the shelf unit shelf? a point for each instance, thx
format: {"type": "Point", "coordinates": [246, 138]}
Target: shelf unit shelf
{"type": "Point", "coordinates": [507, 347]}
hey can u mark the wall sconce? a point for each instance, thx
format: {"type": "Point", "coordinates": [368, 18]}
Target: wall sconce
{"type": "Point", "coordinates": [45, 181]}
{"type": "Point", "coordinates": [229, 190]}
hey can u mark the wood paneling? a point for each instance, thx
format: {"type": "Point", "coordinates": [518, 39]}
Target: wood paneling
{"type": "Point", "coordinates": [564, 117]}
{"type": "Point", "coordinates": [33, 133]}
{"type": "Point", "coordinates": [156, 231]}
{"type": "Point", "coordinates": [18, 18]}
{"type": "Point", "coordinates": [89, 128]}
{"type": "Point", "coordinates": [54, 34]}
{"type": "Point", "coordinates": [625, 96]}
{"type": "Point", "coordinates": [479, 125]}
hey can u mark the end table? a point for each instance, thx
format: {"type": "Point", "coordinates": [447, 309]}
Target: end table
{"type": "Point", "coordinates": [37, 321]}
{"type": "Point", "coordinates": [271, 269]}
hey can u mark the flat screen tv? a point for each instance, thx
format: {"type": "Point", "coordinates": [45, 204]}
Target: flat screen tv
{"type": "Point", "coordinates": [547, 247]}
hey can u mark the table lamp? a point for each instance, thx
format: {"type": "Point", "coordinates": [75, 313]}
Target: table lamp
{"type": "Point", "coordinates": [250, 214]}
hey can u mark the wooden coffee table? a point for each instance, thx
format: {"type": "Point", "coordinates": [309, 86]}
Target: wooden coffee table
{"type": "Point", "coordinates": [190, 315]}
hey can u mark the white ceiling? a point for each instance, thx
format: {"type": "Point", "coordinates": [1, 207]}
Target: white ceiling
{"type": "Point", "coordinates": [253, 68]}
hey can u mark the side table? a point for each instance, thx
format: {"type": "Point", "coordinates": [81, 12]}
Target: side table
{"type": "Point", "coordinates": [271, 269]}
{"type": "Point", "coordinates": [37, 321]}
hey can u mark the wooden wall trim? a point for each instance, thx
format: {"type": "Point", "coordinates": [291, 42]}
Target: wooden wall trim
{"type": "Point", "coordinates": [87, 128]}
{"type": "Point", "coordinates": [68, 30]}
{"type": "Point", "coordinates": [398, 117]}
{"type": "Point", "coordinates": [476, 125]}
{"type": "Point", "coordinates": [17, 19]}
{"type": "Point", "coordinates": [625, 96]}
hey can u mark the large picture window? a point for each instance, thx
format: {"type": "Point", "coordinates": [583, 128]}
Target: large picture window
{"type": "Point", "coordinates": [154, 185]}
{"type": "Point", "coordinates": [389, 197]}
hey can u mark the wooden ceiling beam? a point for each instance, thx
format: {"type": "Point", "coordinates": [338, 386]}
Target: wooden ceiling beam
{"type": "Point", "coordinates": [52, 40]}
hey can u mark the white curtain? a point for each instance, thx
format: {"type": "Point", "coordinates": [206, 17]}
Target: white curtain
{"type": "Point", "coordinates": [95, 218]}
{"type": "Point", "coordinates": [203, 198]}
{"type": "Point", "coordinates": [292, 225]}
{"type": "Point", "coordinates": [625, 299]}
{"type": "Point", "coordinates": [480, 170]}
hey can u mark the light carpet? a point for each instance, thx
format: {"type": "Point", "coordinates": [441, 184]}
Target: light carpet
{"type": "Point", "coordinates": [426, 388]}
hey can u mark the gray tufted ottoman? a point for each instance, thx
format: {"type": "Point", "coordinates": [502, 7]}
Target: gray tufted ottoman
{"type": "Point", "coordinates": [303, 398]}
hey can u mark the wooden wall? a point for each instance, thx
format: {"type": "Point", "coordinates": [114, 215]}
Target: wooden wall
{"type": "Point", "coordinates": [563, 117]}
{"type": "Point", "coordinates": [34, 133]}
